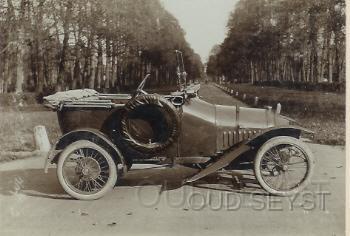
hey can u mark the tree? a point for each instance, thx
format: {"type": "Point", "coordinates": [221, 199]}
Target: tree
{"type": "Point", "coordinates": [299, 41]}
{"type": "Point", "coordinates": [109, 45]}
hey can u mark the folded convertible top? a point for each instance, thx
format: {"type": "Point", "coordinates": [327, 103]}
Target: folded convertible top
{"type": "Point", "coordinates": [84, 98]}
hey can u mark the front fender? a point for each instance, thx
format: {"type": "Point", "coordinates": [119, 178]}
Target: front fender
{"type": "Point", "coordinates": [92, 135]}
{"type": "Point", "coordinates": [291, 131]}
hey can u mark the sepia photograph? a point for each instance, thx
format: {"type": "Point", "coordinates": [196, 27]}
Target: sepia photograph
{"type": "Point", "coordinates": [169, 117]}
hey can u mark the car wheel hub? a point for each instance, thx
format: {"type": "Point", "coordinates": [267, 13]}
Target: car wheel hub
{"type": "Point", "coordinates": [285, 167]}
{"type": "Point", "coordinates": [88, 169]}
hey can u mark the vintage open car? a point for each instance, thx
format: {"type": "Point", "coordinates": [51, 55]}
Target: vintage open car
{"type": "Point", "coordinates": [104, 134]}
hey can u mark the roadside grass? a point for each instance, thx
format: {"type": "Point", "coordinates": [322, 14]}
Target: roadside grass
{"type": "Point", "coordinates": [321, 112]}
{"type": "Point", "coordinates": [17, 130]}
{"type": "Point", "coordinates": [327, 131]}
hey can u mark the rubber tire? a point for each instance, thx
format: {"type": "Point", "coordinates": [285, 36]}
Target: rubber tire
{"type": "Point", "coordinates": [275, 142]}
{"type": "Point", "coordinates": [112, 168]}
{"type": "Point", "coordinates": [151, 99]}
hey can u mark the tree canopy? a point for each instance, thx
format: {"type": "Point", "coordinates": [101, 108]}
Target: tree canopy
{"type": "Point", "coordinates": [300, 41]}
{"type": "Point", "coordinates": [48, 45]}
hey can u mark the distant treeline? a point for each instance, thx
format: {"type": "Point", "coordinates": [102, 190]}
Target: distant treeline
{"type": "Point", "coordinates": [109, 45]}
{"type": "Point", "coordinates": [296, 41]}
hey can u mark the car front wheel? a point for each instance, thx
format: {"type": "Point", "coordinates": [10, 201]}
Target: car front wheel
{"type": "Point", "coordinates": [284, 166]}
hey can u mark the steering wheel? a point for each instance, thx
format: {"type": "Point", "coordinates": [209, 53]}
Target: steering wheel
{"type": "Point", "coordinates": [139, 89]}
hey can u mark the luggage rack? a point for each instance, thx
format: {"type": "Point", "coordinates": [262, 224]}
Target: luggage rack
{"type": "Point", "coordinates": [107, 104]}
{"type": "Point", "coordinates": [103, 101]}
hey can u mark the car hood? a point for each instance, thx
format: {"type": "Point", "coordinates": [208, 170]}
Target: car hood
{"type": "Point", "coordinates": [248, 118]}
{"type": "Point", "coordinates": [235, 116]}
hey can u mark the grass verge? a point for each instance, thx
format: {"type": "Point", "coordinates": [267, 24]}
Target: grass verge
{"type": "Point", "coordinates": [321, 112]}
{"type": "Point", "coordinates": [17, 131]}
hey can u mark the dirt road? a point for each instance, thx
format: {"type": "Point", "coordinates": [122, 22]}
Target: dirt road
{"type": "Point", "coordinates": [33, 203]}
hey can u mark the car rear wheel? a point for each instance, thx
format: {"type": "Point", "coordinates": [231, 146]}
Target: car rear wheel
{"type": "Point", "coordinates": [86, 171]}
{"type": "Point", "coordinates": [284, 166]}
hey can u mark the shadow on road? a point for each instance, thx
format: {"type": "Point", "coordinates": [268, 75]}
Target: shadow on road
{"type": "Point", "coordinates": [31, 182]}
{"type": "Point", "coordinates": [34, 182]}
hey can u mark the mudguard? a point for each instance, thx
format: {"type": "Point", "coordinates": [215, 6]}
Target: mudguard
{"type": "Point", "coordinates": [256, 141]}
{"type": "Point", "coordinates": [291, 131]}
{"type": "Point", "coordinates": [92, 135]}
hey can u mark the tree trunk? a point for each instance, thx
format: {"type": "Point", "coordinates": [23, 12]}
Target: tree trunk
{"type": "Point", "coordinates": [21, 49]}
{"type": "Point", "coordinates": [99, 72]}
{"type": "Point", "coordinates": [20, 63]}
{"type": "Point", "coordinates": [114, 66]}
{"type": "Point", "coordinates": [251, 72]}
{"type": "Point", "coordinates": [63, 56]}
{"type": "Point", "coordinates": [330, 68]}
{"type": "Point", "coordinates": [77, 78]}
{"type": "Point", "coordinates": [40, 71]}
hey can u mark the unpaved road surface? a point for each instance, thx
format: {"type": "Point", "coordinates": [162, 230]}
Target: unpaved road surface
{"type": "Point", "coordinates": [151, 201]}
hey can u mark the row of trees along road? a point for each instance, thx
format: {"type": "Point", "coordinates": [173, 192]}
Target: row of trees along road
{"type": "Point", "coordinates": [298, 41]}
{"type": "Point", "coordinates": [109, 45]}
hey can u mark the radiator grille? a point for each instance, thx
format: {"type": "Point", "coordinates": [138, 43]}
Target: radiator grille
{"type": "Point", "coordinates": [229, 138]}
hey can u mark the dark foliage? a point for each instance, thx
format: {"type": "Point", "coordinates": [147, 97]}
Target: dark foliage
{"type": "Point", "coordinates": [299, 43]}
{"type": "Point", "coordinates": [108, 45]}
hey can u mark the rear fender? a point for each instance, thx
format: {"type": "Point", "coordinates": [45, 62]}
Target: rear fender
{"type": "Point", "coordinates": [92, 135]}
{"type": "Point", "coordinates": [291, 131]}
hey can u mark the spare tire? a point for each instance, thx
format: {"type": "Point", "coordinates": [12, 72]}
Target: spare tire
{"type": "Point", "coordinates": [150, 124]}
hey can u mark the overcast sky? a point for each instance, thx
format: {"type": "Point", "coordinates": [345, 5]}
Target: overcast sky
{"type": "Point", "coordinates": [203, 20]}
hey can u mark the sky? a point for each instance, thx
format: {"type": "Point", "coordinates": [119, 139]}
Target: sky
{"type": "Point", "coordinates": [204, 21]}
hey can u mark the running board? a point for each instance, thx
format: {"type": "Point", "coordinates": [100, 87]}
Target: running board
{"type": "Point", "coordinates": [222, 162]}
{"type": "Point", "coordinates": [176, 160]}
{"type": "Point", "coordinates": [191, 160]}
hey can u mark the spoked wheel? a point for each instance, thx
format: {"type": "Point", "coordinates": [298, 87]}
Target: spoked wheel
{"type": "Point", "coordinates": [284, 166]}
{"type": "Point", "coordinates": [86, 171]}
